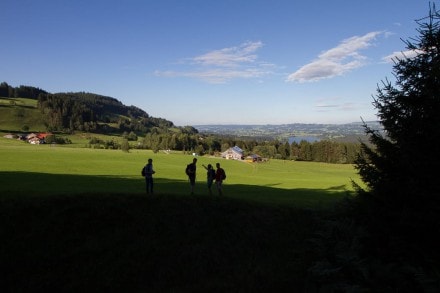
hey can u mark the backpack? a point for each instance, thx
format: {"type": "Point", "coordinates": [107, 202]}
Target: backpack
{"type": "Point", "coordinates": [144, 171]}
{"type": "Point", "coordinates": [223, 174]}
{"type": "Point", "coordinates": [188, 169]}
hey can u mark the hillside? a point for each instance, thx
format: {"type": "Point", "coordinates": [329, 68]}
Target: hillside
{"type": "Point", "coordinates": [18, 114]}
{"type": "Point", "coordinates": [28, 108]}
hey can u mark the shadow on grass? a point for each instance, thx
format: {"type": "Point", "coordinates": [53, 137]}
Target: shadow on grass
{"type": "Point", "coordinates": [28, 184]}
{"type": "Point", "coordinates": [111, 240]}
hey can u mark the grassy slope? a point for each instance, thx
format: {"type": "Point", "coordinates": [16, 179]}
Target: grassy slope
{"type": "Point", "coordinates": [75, 219]}
{"type": "Point", "coordinates": [17, 112]}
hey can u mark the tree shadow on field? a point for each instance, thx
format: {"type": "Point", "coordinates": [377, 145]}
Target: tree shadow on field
{"type": "Point", "coordinates": [103, 233]}
{"type": "Point", "coordinates": [29, 184]}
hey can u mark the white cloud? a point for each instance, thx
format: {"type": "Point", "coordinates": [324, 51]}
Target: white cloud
{"type": "Point", "coordinates": [221, 65]}
{"type": "Point", "coordinates": [216, 75]}
{"type": "Point", "coordinates": [401, 55]}
{"type": "Point", "coordinates": [336, 61]}
{"type": "Point", "coordinates": [230, 57]}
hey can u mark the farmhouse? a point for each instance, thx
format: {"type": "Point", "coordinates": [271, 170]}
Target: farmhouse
{"type": "Point", "coordinates": [34, 140]}
{"type": "Point", "coordinates": [37, 138]}
{"type": "Point", "coordinates": [43, 135]}
{"type": "Point", "coordinates": [234, 153]}
{"type": "Point", "coordinates": [30, 136]}
{"type": "Point", "coordinates": [254, 158]}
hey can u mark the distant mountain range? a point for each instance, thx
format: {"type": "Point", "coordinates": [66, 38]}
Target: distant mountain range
{"type": "Point", "coordinates": [348, 132]}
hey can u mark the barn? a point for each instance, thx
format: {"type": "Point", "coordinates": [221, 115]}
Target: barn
{"type": "Point", "coordinates": [234, 153]}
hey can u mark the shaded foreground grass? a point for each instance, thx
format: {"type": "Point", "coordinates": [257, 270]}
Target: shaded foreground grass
{"type": "Point", "coordinates": [32, 184]}
{"type": "Point", "coordinates": [166, 243]}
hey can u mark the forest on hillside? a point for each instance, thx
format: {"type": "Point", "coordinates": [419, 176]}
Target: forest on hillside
{"type": "Point", "coordinates": [88, 112]}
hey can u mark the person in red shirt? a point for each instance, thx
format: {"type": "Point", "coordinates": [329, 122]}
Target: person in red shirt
{"type": "Point", "coordinates": [220, 175]}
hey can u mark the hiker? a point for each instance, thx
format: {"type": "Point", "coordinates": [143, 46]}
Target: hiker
{"type": "Point", "coordinates": [220, 175]}
{"type": "Point", "coordinates": [210, 176]}
{"type": "Point", "coordinates": [191, 172]}
{"type": "Point", "coordinates": [148, 171]}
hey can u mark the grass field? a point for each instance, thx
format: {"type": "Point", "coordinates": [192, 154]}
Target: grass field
{"type": "Point", "coordinates": [77, 220]}
{"type": "Point", "coordinates": [45, 170]}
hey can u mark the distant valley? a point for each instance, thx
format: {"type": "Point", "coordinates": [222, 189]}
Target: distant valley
{"type": "Point", "coordinates": [340, 132]}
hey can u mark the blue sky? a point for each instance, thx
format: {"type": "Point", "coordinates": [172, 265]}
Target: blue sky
{"type": "Point", "coordinates": [212, 62]}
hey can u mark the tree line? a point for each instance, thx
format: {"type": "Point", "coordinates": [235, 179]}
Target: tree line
{"type": "Point", "coordinates": [22, 91]}
{"type": "Point", "coordinates": [202, 144]}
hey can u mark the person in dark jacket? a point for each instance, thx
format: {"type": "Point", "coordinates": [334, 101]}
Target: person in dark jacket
{"type": "Point", "coordinates": [191, 172]}
{"type": "Point", "coordinates": [210, 176]}
{"type": "Point", "coordinates": [149, 176]}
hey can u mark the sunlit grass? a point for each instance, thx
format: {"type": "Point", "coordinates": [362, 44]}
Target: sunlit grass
{"type": "Point", "coordinates": [109, 171]}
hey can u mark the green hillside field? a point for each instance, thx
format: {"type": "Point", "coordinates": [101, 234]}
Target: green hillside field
{"type": "Point", "coordinates": [56, 170]}
{"type": "Point", "coordinates": [16, 113]}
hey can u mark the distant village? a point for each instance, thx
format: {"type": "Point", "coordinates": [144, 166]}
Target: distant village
{"type": "Point", "coordinates": [32, 138]}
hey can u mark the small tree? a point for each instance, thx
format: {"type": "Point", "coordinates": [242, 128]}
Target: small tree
{"type": "Point", "coordinates": [132, 136]}
{"type": "Point", "coordinates": [125, 147]}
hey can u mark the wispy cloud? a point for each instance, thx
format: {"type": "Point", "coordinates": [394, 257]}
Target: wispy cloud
{"type": "Point", "coordinates": [215, 75]}
{"type": "Point", "coordinates": [221, 65]}
{"type": "Point", "coordinates": [335, 104]}
{"type": "Point", "coordinates": [401, 55]}
{"type": "Point", "coordinates": [336, 61]}
{"type": "Point", "coordinates": [230, 57]}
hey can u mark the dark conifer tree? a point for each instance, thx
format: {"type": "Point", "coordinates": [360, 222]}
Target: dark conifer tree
{"type": "Point", "coordinates": [400, 168]}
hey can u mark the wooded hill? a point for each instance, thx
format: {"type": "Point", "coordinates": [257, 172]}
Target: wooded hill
{"type": "Point", "coordinates": [81, 111]}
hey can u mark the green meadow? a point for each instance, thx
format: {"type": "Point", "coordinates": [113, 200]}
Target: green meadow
{"type": "Point", "coordinates": [76, 219]}
{"type": "Point", "coordinates": [28, 170]}
{"type": "Point", "coordinates": [15, 113]}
